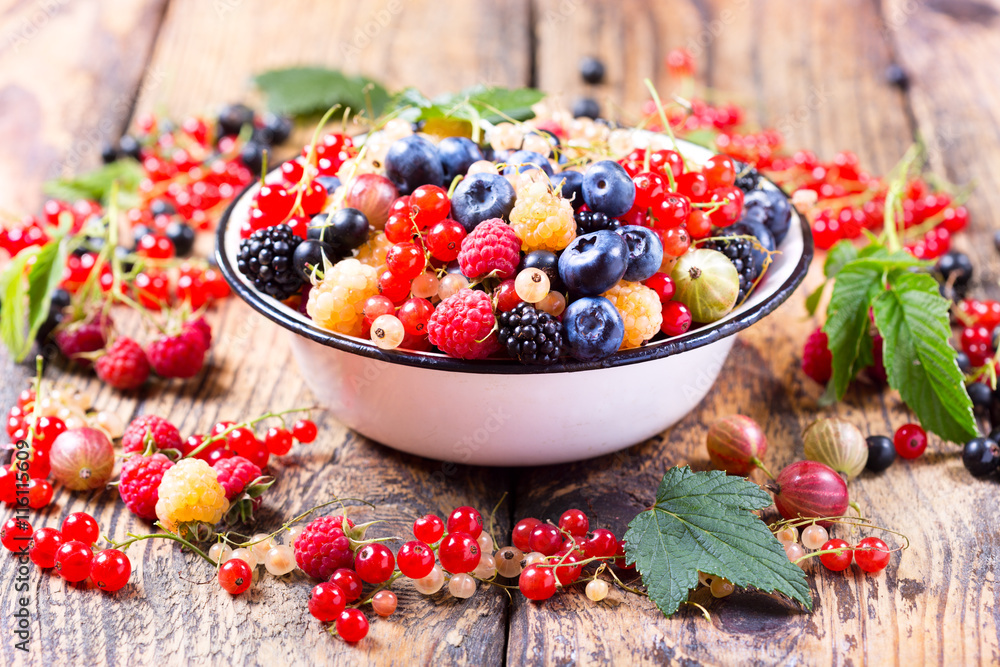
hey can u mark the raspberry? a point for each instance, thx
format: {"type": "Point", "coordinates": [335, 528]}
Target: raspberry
{"type": "Point", "coordinates": [817, 362]}
{"type": "Point", "coordinates": [234, 474]}
{"type": "Point", "coordinates": [140, 482]}
{"type": "Point", "coordinates": [199, 327]}
{"type": "Point", "coordinates": [81, 338]}
{"type": "Point", "coordinates": [124, 365]}
{"type": "Point", "coordinates": [189, 492]}
{"type": "Point", "coordinates": [542, 220]}
{"type": "Point", "coordinates": [640, 309]}
{"type": "Point", "coordinates": [177, 356]}
{"type": "Point", "coordinates": [322, 548]}
{"type": "Point", "coordinates": [164, 434]}
{"type": "Point", "coordinates": [337, 301]}
{"type": "Point", "coordinates": [492, 247]}
{"type": "Point", "coordinates": [463, 325]}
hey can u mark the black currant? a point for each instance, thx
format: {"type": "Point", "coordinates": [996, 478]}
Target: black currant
{"type": "Point", "coordinates": [233, 117]}
{"type": "Point", "coordinates": [896, 76]}
{"type": "Point", "coordinates": [125, 258]}
{"type": "Point", "coordinates": [252, 155]}
{"type": "Point", "coordinates": [329, 183]}
{"type": "Point", "coordinates": [881, 453]}
{"type": "Point", "coordinates": [955, 268]}
{"type": "Point", "coordinates": [548, 263]}
{"type": "Point", "coordinates": [139, 232]}
{"type": "Point", "coordinates": [161, 207]}
{"type": "Point", "coordinates": [963, 362]}
{"type": "Point", "coordinates": [980, 456]}
{"type": "Point", "coordinates": [109, 153]}
{"type": "Point", "coordinates": [182, 236]}
{"type": "Point", "coordinates": [345, 230]}
{"type": "Point", "coordinates": [586, 107]}
{"type": "Point", "coordinates": [128, 146]}
{"type": "Point", "coordinates": [309, 255]}
{"type": "Point", "coordinates": [981, 396]}
{"type": "Point", "coordinates": [591, 70]}
{"type": "Point", "coordinates": [274, 129]}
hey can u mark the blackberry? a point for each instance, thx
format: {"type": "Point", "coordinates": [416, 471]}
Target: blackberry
{"type": "Point", "coordinates": [740, 253]}
{"type": "Point", "coordinates": [530, 336]}
{"type": "Point", "coordinates": [747, 177]}
{"type": "Point", "coordinates": [592, 221]}
{"type": "Point", "coordinates": [266, 259]}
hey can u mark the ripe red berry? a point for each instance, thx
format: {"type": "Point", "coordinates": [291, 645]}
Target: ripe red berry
{"type": "Point", "coordinates": [44, 544]}
{"type": "Point", "coordinates": [565, 568]}
{"type": "Point", "coordinates": [82, 527]}
{"type": "Point", "coordinates": [304, 430]}
{"type": "Point", "coordinates": [871, 554]}
{"type": "Point", "coordinates": [405, 261]}
{"type": "Point", "coordinates": [352, 625]}
{"type": "Point", "coordinates": [459, 553]}
{"type": "Point", "coordinates": [910, 441]}
{"type": "Point", "coordinates": [466, 520]}
{"type": "Point", "coordinates": [663, 285]}
{"type": "Point", "coordinates": [73, 560]}
{"type": "Point", "coordinates": [39, 493]}
{"type": "Point", "coordinates": [537, 582]}
{"type": "Point", "coordinates": [522, 533]}
{"type": "Point", "coordinates": [111, 570]}
{"type": "Point", "coordinates": [15, 534]}
{"type": "Point", "coordinates": [574, 522]}
{"type": "Point", "coordinates": [545, 538]}
{"type": "Point", "coordinates": [415, 559]}
{"type": "Point", "coordinates": [600, 544]}
{"type": "Point", "coordinates": [432, 205]}
{"type": "Point", "coordinates": [676, 318]}
{"type": "Point", "coordinates": [428, 528]}
{"type": "Point", "coordinates": [327, 601]}
{"type": "Point", "coordinates": [235, 576]}
{"type": "Point", "coordinates": [46, 431]}
{"type": "Point", "coordinates": [719, 171]}
{"type": "Point", "coordinates": [278, 441]}
{"type": "Point", "coordinates": [414, 314]}
{"type": "Point", "coordinates": [348, 581]}
{"type": "Point", "coordinates": [444, 240]}
{"type": "Point", "coordinates": [374, 563]}
{"type": "Point", "coordinates": [838, 561]}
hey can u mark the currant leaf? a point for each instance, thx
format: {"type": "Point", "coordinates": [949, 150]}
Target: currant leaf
{"type": "Point", "coordinates": [838, 257]}
{"type": "Point", "coordinates": [43, 279]}
{"type": "Point", "coordinates": [304, 91]}
{"type": "Point", "coordinates": [847, 322]}
{"type": "Point", "coordinates": [913, 319]}
{"type": "Point", "coordinates": [96, 185]}
{"type": "Point", "coordinates": [704, 521]}
{"type": "Point", "coordinates": [14, 297]}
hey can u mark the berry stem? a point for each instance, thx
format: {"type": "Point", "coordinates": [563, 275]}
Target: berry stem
{"type": "Point", "coordinates": [381, 587]}
{"type": "Point", "coordinates": [666, 128]}
{"type": "Point", "coordinates": [247, 424]}
{"type": "Point", "coordinates": [760, 464]}
{"type": "Point", "coordinates": [288, 524]}
{"type": "Point", "coordinates": [165, 535]}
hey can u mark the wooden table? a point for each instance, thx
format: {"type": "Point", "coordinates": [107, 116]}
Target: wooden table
{"type": "Point", "coordinates": [75, 72]}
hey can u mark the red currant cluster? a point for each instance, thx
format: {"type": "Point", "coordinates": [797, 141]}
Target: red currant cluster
{"type": "Point", "coordinates": [978, 320]}
{"type": "Point", "coordinates": [871, 553]}
{"type": "Point", "coordinates": [70, 550]}
{"type": "Point", "coordinates": [25, 480]}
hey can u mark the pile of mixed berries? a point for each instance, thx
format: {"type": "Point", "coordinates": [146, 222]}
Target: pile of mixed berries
{"type": "Point", "coordinates": [534, 246]}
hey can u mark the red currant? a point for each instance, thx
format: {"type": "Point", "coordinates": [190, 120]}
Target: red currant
{"type": "Point", "coordinates": [376, 306]}
{"type": "Point", "coordinates": [600, 544]}
{"type": "Point", "coordinates": [676, 318]}
{"type": "Point", "coordinates": [663, 285]}
{"type": "Point", "coordinates": [352, 626]}
{"type": "Point", "coordinates": [459, 553]}
{"type": "Point", "coordinates": [428, 528]}
{"type": "Point", "coordinates": [537, 582]}
{"type": "Point", "coordinates": [545, 538]}
{"type": "Point", "coordinates": [566, 569]}
{"type": "Point", "coordinates": [693, 185]}
{"type": "Point", "coordinates": [39, 466]}
{"type": "Point", "coordinates": [393, 286]}
{"type": "Point", "coordinates": [444, 240]}
{"type": "Point", "coordinates": [574, 522]}
{"type": "Point", "coordinates": [506, 296]}
{"type": "Point", "coordinates": [25, 397]}
{"type": "Point", "coordinates": [327, 602]}
{"type": "Point", "coordinates": [15, 534]}
{"type": "Point", "coordinates": [291, 172]}
{"type": "Point", "coordinates": [314, 198]}
{"type": "Point", "coordinates": [278, 441]}
{"type": "Point", "coordinates": [155, 247]}
{"type": "Point", "coordinates": [731, 208]}
{"type": "Point", "coordinates": [82, 527]}
{"type": "Point", "coordinates": [415, 559]}
{"type": "Point", "coordinates": [304, 430]}
{"type": "Point", "coordinates": [235, 576]}
{"type": "Point", "coordinates": [46, 431]}
{"type": "Point", "coordinates": [405, 260]}
{"type": "Point", "coordinates": [39, 493]}
{"type": "Point", "coordinates": [111, 570]}
{"type": "Point", "coordinates": [73, 560]}
{"type": "Point", "coordinates": [664, 160]}
{"type": "Point", "coordinates": [432, 205]}
{"type": "Point", "coordinates": [836, 562]}
{"type": "Point", "coordinates": [44, 544]}
{"type": "Point", "coordinates": [399, 229]}
{"type": "Point", "coordinates": [719, 171]}
{"type": "Point", "coordinates": [414, 314]}
{"type": "Point", "coordinates": [649, 190]}
{"type": "Point", "coordinates": [910, 441]}
{"type": "Point", "coordinates": [348, 581]}
{"type": "Point", "coordinates": [676, 241]}
{"type": "Point", "coordinates": [871, 554]}
{"type": "Point", "coordinates": [374, 563]}
{"type": "Point", "coordinates": [466, 520]}
{"type": "Point", "coordinates": [672, 211]}
{"type": "Point", "coordinates": [522, 533]}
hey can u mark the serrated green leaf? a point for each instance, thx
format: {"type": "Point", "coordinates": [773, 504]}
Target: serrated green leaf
{"type": "Point", "coordinates": [304, 91]}
{"type": "Point", "coordinates": [812, 301]}
{"type": "Point", "coordinates": [43, 279]}
{"type": "Point", "coordinates": [847, 323]}
{"type": "Point", "coordinates": [838, 256]}
{"type": "Point", "coordinates": [13, 312]}
{"type": "Point", "coordinates": [913, 320]}
{"type": "Point", "coordinates": [96, 185]}
{"type": "Point", "coordinates": [704, 522]}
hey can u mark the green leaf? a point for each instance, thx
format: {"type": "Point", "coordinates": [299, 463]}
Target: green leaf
{"type": "Point", "coordinates": [702, 137]}
{"type": "Point", "coordinates": [96, 185]}
{"type": "Point", "coordinates": [478, 102]}
{"type": "Point", "coordinates": [704, 522]}
{"type": "Point", "coordinates": [304, 91]}
{"type": "Point", "coordinates": [13, 313]}
{"type": "Point", "coordinates": [43, 279]}
{"type": "Point", "coordinates": [913, 320]}
{"type": "Point", "coordinates": [847, 323]}
{"type": "Point", "coordinates": [812, 301]}
{"type": "Point", "coordinates": [838, 256]}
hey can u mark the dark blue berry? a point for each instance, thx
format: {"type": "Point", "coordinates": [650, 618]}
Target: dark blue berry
{"type": "Point", "coordinates": [593, 263]}
{"type": "Point", "coordinates": [593, 328]}
{"type": "Point", "coordinates": [571, 183]}
{"type": "Point", "coordinates": [411, 162]}
{"type": "Point", "coordinates": [252, 155]}
{"type": "Point", "coordinates": [591, 70]}
{"type": "Point", "coordinates": [775, 213]}
{"type": "Point", "coordinates": [526, 160]}
{"type": "Point", "coordinates": [896, 76]}
{"type": "Point", "coordinates": [109, 153]}
{"type": "Point", "coordinates": [182, 236]}
{"type": "Point", "coordinates": [529, 335]}
{"type": "Point", "coordinates": [482, 197]}
{"type": "Point", "coordinates": [457, 155]}
{"type": "Point", "coordinates": [980, 456]}
{"type": "Point", "coordinates": [981, 396]}
{"type": "Point", "coordinates": [233, 117]}
{"type": "Point", "coordinates": [128, 146]}
{"type": "Point", "coordinates": [275, 129]}
{"type": "Point", "coordinates": [645, 252]}
{"type": "Point", "coordinates": [329, 183]}
{"type": "Point", "coordinates": [344, 230]}
{"type": "Point", "coordinates": [881, 453]}
{"type": "Point", "coordinates": [547, 262]}
{"type": "Point", "coordinates": [964, 364]}
{"type": "Point", "coordinates": [586, 107]}
{"type": "Point", "coordinates": [607, 188]}
{"type": "Point", "coordinates": [309, 254]}
{"type": "Point", "coordinates": [161, 207]}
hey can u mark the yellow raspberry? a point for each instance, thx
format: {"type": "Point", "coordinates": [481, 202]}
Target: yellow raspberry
{"type": "Point", "coordinates": [337, 301]}
{"type": "Point", "coordinates": [190, 492]}
{"type": "Point", "coordinates": [640, 310]}
{"type": "Point", "coordinates": [542, 219]}
{"type": "Point", "coordinates": [374, 251]}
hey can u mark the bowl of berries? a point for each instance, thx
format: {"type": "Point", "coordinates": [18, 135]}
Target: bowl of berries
{"type": "Point", "coordinates": [547, 295]}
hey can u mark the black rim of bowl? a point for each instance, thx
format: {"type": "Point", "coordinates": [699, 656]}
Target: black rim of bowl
{"type": "Point", "coordinates": [285, 316]}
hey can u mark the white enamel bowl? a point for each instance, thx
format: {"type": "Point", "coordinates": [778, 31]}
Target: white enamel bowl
{"type": "Point", "coordinates": [499, 412]}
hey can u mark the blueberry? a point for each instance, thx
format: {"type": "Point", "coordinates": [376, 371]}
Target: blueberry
{"type": "Point", "coordinates": [524, 160]}
{"type": "Point", "coordinates": [182, 236]}
{"type": "Point", "coordinates": [252, 155]}
{"type": "Point", "coordinates": [309, 254]}
{"type": "Point", "coordinates": [344, 230]}
{"type": "Point", "coordinates": [586, 107]}
{"type": "Point", "coordinates": [275, 129]}
{"type": "Point", "coordinates": [411, 162]}
{"type": "Point", "coordinates": [233, 117]}
{"type": "Point", "coordinates": [981, 395]}
{"type": "Point", "coordinates": [593, 328]}
{"type": "Point", "coordinates": [980, 456]}
{"type": "Point", "coordinates": [593, 263]}
{"type": "Point", "coordinates": [591, 70]}
{"type": "Point", "coordinates": [329, 183]}
{"type": "Point", "coordinates": [457, 155]}
{"type": "Point", "coordinates": [572, 186]}
{"type": "Point", "coordinates": [128, 146]}
{"type": "Point", "coordinates": [545, 261]}
{"type": "Point", "coordinates": [776, 209]}
{"type": "Point", "coordinates": [608, 189]}
{"type": "Point", "coordinates": [482, 197]}
{"type": "Point", "coordinates": [645, 252]}
{"type": "Point", "coordinates": [881, 453]}
{"type": "Point", "coordinates": [761, 233]}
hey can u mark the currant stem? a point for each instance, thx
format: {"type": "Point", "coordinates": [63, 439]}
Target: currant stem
{"type": "Point", "coordinates": [215, 438]}
{"type": "Point", "coordinates": [167, 536]}
{"type": "Point", "coordinates": [381, 587]}
{"type": "Point", "coordinates": [760, 464]}
{"type": "Point", "coordinates": [288, 524]}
